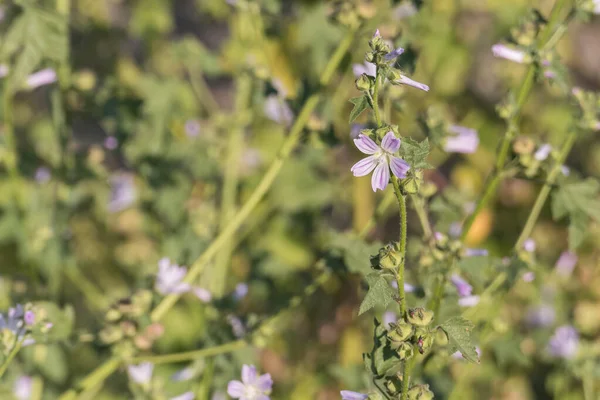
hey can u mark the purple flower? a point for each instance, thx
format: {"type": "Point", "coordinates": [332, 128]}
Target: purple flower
{"type": "Point", "coordinates": [464, 140]}
{"type": "Point", "coordinates": [349, 395]}
{"type": "Point", "coordinates": [462, 287]}
{"type": "Point", "coordinates": [29, 318]}
{"type": "Point", "coordinates": [381, 159]}
{"type": "Point", "coordinates": [252, 386]}
{"type": "Point", "coordinates": [455, 229]}
{"type": "Point", "coordinates": [237, 326]}
{"type": "Point", "coordinates": [169, 279]}
{"type": "Point", "coordinates": [405, 80]}
{"type": "Point", "coordinates": [468, 301]}
{"type": "Point", "coordinates": [566, 263]}
{"type": "Point", "coordinates": [543, 152]}
{"type": "Point", "coordinates": [392, 55]}
{"type": "Point", "coordinates": [364, 68]}
{"type": "Point", "coordinates": [42, 175]}
{"type": "Point", "coordinates": [141, 373]}
{"type": "Point", "coordinates": [564, 343]}
{"type": "Point", "coordinates": [476, 253]}
{"type": "Point", "coordinates": [389, 317]}
{"type": "Point", "coordinates": [565, 170]}
{"type": "Point", "coordinates": [529, 245]}
{"type": "Point", "coordinates": [183, 375]}
{"type": "Point", "coordinates": [541, 316]}
{"type": "Point", "coordinates": [509, 53]}
{"type": "Point", "coordinates": [192, 128]}
{"type": "Point", "coordinates": [22, 389]}
{"type": "Point", "coordinates": [41, 78]}
{"type": "Point", "coordinates": [458, 355]}
{"type": "Point", "coordinates": [529, 276]}
{"type": "Point", "coordinates": [277, 110]}
{"type": "Point", "coordinates": [111, 143]}
{"type": "Point", "coordinates": [376, 34]}
{"type": "Point", "coordinates": [204, 295]}
{"type": "Point", "coordinates": [122, 194]}
{"type": "Point", "coordinates": [596, 9]}
{"type": "Point", "coordinates": [408, 288]}
{"type": "Point", "coordinates": [185, 396]}
{"type": "Point", "coordinates": [241, 290]}
{"type": "Point", "coordinates": [3, 70]}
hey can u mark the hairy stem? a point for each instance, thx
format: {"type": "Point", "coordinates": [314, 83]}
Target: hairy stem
{"type": "Point", "coordinates": [267, 180]}
{"type": "Point", "coordinates": [408, 365]}
{"type": "Point", "coordinates": [202, 91]}
{"type": "Point", "coordinates": [419, 204]}
{"type": "Point", "coordinates": [192, 355]}
{"type": "Point", "coordinates": [402, 246]}
{"type": "Point", "coordinates": [95, 378]}
{"type": "Point", "coordinates": [375, 100]}
{"type": "Point", "coordinates": [10, 357]}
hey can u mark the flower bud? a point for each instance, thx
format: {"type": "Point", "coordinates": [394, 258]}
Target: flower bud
{"type": "Point", "coordinates": [129, 328]}
{"type": "Point", "coordinates": [111, 334]}
{"type": "Point", "coordinates": [420, 392]}
{"type": "Point", "coordinates": [404, 350]}
{"type": "Point", "coordinates": [420, 316]}
{"type": "Point", "coordinates": [394, 75]}
{"type": "Point", "coordinates": [389, 256]}
{"type": "Point", "coordinates": [113, 315]}
{"type": "Point", "coordinates": [363, 83]}
{"type": "Point", "coordinates": [393, 386]}
{"type": "Point", "coordinates": [369, 57]}
{"type": "Point", "coordinates": [523, 145]}
{"type": "Point", "coordinates": [402, 332]}
{"type": "Point", "coordinates": [423, 339]}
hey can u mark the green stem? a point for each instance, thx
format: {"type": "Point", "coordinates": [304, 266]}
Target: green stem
{"type": "Point", "coordinates": [419, 204]}
{"type": "Point", "coordinates": [545, 192]}
{"type": "Point", "coordinates": [523, 93]}
{"type": "Point", "coordinates": [438, 295]}
{"type": "Point", "coordinates": [218, 275]}
{"type": "Point", "coordinates": [375, 100]}
{"type": "Point", "coordinates": [192, 355]}
{"type": "Point", "coordinates": [9, 134]}
{"type": "Point", "coordinates": [10, 357]}
{"type": "Point", "coordinates": [202, 91]}
{"type": "Point", "coordinates": [95, 378]}
{"type": "Point", "coordinates": [408, 365]}
{"type": "Point", "coordinates": [402, 246]}
{"type": "Point", "coordinates": [381, 209]}
{"type": "Point", "coordinates": [272, 172]}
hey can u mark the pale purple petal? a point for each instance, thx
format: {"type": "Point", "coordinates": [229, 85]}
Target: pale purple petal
{"type": "Point", "coordinates": [596, 6]}
{"type": "Point", "coordinates": [248, 374]}
{"type": "Point", "coordinates": [503, 51]}
{"type": "Point", "coordinates": [355, 130]}
{"type": "Point", "coordinates": [476, 253]}
{"type": "Point", "coordinates": [203, 294]}
{"type": "Point", "coordinates": [111, 143]}
{"type": "Point", "coordinates": [192, 128]}
{"type": "Point", "coordinates": [390, 143]}
{"type": "Point", "coordinates": [241, 290]}
{"type": "Point", "coordinates": [529, 276]}
{"type": "Point", "coordinates": [235, 389]}
{"type": "Point", "coordinates": [392, 55]}
{"type": "Point", "coordinates": [399, 167]}
{"type": "Point", "coordinates": [365, 68]}
{"type": "Point", "coordinates": [183, 375]}
{"type": "Point", "coordinates": [564, 343]}
{"type": "Point", "coordinates": [464, 140]}
{"type": "Point", "coordinates": [349, 395]}
{"type": "Point", "coordinates": [261, 397]}
{"type": "Point", "coordinates": [404, 80]}
{"type": "Point", "coordinates": [277, 110]}
{"type": "Point", "coordinates": [468, 301]}
{"type": "Point", "coordinates": [529, 245]}
{"type": "Point", "coordinates": [42, 175]}
{"type": "Point", "coordinates": [541, 316]}
{"type": "Point", "coordinates": [364, 166]}
{"type": "Point", "coordinates": [366, 145]}
{"type": "Point", "coordinates": [389, 317]}
{"type": "Point", "coordinates": [566, 263]}
{"type": "Point", "coordinates": [22, 388]}
{"type": "Point", "coordinates": [376, 34]}
{"type": "Point", "coordinates": [29, 317]}
{"type": "Point", "coordinates": [462, 287]}
{"type": "Point", "coordinates": [542, 153]}
{"type": "Point", "coordinates": [185, 396]}
{"type": "Point", "coordinates": [264, 383]}
{"type": "Point", "coordinates": [381, 176]}
{"type": "Point", "coordinates": [565, 170]}
{"type": "Point", "coordinates": [3, 70]}
{"type": "Point", "coordinates": [141, 373]}
{"type": "Point", "coordinates": [41, 78]}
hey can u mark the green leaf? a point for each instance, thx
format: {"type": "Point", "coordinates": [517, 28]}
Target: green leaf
{"type": "Point", "coordinates": [380, 293]}
{"type": "Point", "coordinates": [360, 104]}
{"type": "Point", "coordinates": [384, 360]}
{"type": "Point", "coordinates": [355, 252]}
{"type": "Point", "coordinates": [577, 228]}
{"type": "Point", "coordinates": [415, 153]}
{"type": "Point", "coordinates": [459, 331]}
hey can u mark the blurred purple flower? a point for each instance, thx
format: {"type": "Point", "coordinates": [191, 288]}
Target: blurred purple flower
{"type": "Point", "coordinates": [252, 386]}
{"type": "Point", "coordinates": [381, 159]}
{"type": "Point", "coordinates": [529, 245]}
{"type": "Point", "coordinates": [123, 193]}
{"type": "Point", "coordinates": [23, 387]}
{"type": "Point", "coordinates": [42, 175]}
{"type": "Point", "coordinates": [392, 55]}
{"type": "Point", "coordinates": [389, 317]}
{"type": "Point", "coordinates": [462, 287]}
{"type": "Point", "coordinates": [404, 10]}
{"type": "Point", "coordinates": [237, 326]}
{"type": "Point", "coordinates": [376, 34]}
{"type": "Point", "coordinates": [541, 316]}
{"type": "Point", "coordinates": [169, 279]}
{"type": "Point", "coordinates": [543, 152]}
{"type": "Point", "coordinates": [508, 53]}
{"type": "Point", "coordinates": [468, 301]}
{"type": "Point", "coordinates": [564, 343]}
{"type": "Point", "coordinates": [141, 373]}
{"type": "Point", "coordinates": [241, 290]}
{"type": "Point", "coordinates": [183, 375]}
{"type": "Point", "coordinates": [364, 68]}
{"type": "Point", "coordinates": [565, 170]}
{"type": "Point", "coordinates": [185, 396]}
{"type": "Point", "coordinates": [529, 276]}
{"type": "Point", "coordinates": [463, 140]}
{"type": "Point", "coordinates": [350, 395]}
{"type": "Point", "coordinates": [111, 143]}
{"type": "Point", "coordinates": [192, 128]}
{"type": "Point", "coordinates": [41, 78]}
{"type": "Point", "coordinates": [458, 355]}
{"type": "Point", "coordinates": [29, 318]}
{"type": "Point", "coordinates": [408, 288]}
{"type": "Point", "coordinates": [566, 263]}
{"type": "Point", "coordinates": [455, 229]}
{"type": "Point", "coordinates": [596, 6]}
{"type": "Point", "coordinates": [3, 70]}
{"type": "Point", "coordinates": [355, 130]}
{"type": "Point", "coordinates": [476, 253]}
{"type": "Point", "coordinates": [405, 80]}
{"type": "Point", "coordinates": [277, 110]}
{"type": "Point", "coordinates": [204, 295]}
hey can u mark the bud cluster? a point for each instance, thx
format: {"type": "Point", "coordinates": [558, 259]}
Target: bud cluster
{"type": "Point", "coordinates": [351, 13]}
{"type": "Point", "coordinates": [532, 156]}
{"type": "Point", "coordinates": [589, 106]}
{"type": "Point", "coordinates": [20, 326]}
{"type": "Point", "coordinates": [412, 334]}
{"type": "Point", "coordinates": [124, 328]}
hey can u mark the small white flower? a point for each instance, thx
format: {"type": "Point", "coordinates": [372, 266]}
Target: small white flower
{"type": "Point", "coordinates": [22, 388]}
{"type": "Point", "coordinates": [596, 6]}
{"type": "Point", "coordinates": [509, 53]}
{"type": "Point", "coordinates": [462, 140]}
{"type": "Point", "coordinates": [543, 152]}
{"type": "Point", "coordinates": [350, 395]}
{"type": "Point", "coordinates": [277, 110]}
{"type": "Point", "coordinates": [169, 278]}
{"type": "Point", "coordinates": [41, 78]}
{"type": "Point", "coordinates": [468, 301]}
{"type": "Point", "coordinates": [252, 386]}
{"type": "Point", "coordinates": [3, 70]}
{"type": "Point", "coordinates": [141, 373]}
{"type": "Point", "coordinates": [405, 80]}
{"type": "Point", "coordinates": [203, 294]}
{"type": "Point", "coordinates": [183, 375]}
{"type": "Point", "coordinates": [529, 245]}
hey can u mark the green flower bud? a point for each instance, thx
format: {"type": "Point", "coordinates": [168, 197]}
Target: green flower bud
{"type": "Point", "coordinates": [423, 339]}
{"type": "Point", "coordinates": [389, 256]}
{"type": "Point", "coordinates": [404, 350]}
{"type": "Point", "coordinates": [394, 75]}
{"type": "Point", "coordinates": [428, 189]}
{"type": "Point", "coordinates": [420, 392]}
{"type": "Point", "coordinates": [142, 299]}
{"type": "Point", "coordinates": [411, 185]}
{"type": "Point", "coordinates": [113, 315]}
{"type": "Point", "coordinates": [420, 316]}
{"type": "Point", "coordinates": [403, 331]}
{"type": "Point", "coordinates": [369, 57]}
{"type": "Point", "coordinates": [440, 337]}
{"type": "Point", "coordinates": [111, 334]}
{"type": "Point", "coordinates": [393, 386]}
{"type": "Point", "coordinates": [363, 83]}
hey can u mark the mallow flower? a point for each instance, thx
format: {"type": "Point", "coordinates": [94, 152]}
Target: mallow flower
{"type": "Point", "coordinates": [252, 386]}
{"type": "Point", "coordinates": [364, 68]}
{"type": "Point", "coordinates": [461, 140]}
{"type": "Point", "coordinates": [468, 301]}
{"type": "Point", "coordinates": [566, 263]}
{"type": "Point", "coordinates": [509, 53]}
{"type": "Point", "coordinates": [543, 152]}
{"type": "Point", "coordinates": [381, 159]}
{"type": "Point", "coordinates": [350, 395]}
{"type": "Point", "coordinates": [169, 279]}
{"type": "Point", "coordinates": [141, 373]}
{"type": "Point", "coordinates": [564, 343]}
{"type": "Point", "coordinates": [41, 78]}
{"type": "Point", "coordinates": [462, 287]}
{"type": "Point", "coordinates": [23, 388]}
{"type": "Point", "coordinates": [277, 110]}
{"type": "Point", "coordinates": [185, 396]}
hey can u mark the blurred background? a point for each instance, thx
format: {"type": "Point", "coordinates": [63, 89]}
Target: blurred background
{"type": "Point", "coordinates": [173, 113]}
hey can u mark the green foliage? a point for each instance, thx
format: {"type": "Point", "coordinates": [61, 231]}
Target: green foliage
{"type": "Point", "coordinates": [415, 153]}
{"type": "Point", "coordinates": [380, 293]}
{"type": "Point", "coordinates": [382, 360]}
{"type": "Point", "coordinates": [355, 252]}
{"type": "Point", "coordinates": [361, 103]}
{"type": "Point", "coordinates": [460, 337]}
{"type": "Point", "coordinates": [579, 201]}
